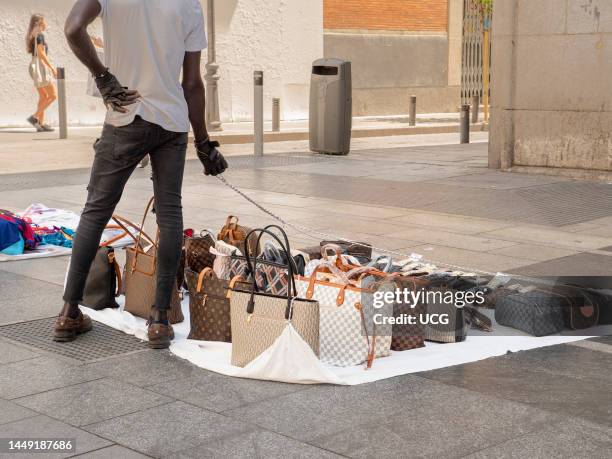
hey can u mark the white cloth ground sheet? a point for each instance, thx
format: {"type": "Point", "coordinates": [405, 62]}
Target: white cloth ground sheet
{"type": "Point", "coordinates": [290, 359]}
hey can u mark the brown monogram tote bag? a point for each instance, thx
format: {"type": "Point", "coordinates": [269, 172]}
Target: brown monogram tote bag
{"type": "Point", "coordinates": [209, 306]}
{"type": "Point", "coordinates": [141, 279]}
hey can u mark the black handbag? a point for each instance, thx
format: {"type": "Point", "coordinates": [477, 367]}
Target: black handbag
{"type": "Point", "coordinates": [103, 283]}
{"type": "Point", "coordinates": [536, 312]}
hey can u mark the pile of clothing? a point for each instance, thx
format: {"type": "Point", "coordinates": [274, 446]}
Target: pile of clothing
{"type": "Point", "coordinates": [16, 234]}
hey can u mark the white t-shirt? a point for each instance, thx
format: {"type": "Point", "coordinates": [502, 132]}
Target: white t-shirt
{"type": "Point", "coordinates": [144, 47]}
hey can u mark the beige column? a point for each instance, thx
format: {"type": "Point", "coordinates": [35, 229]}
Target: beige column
{"type": "Point", "coordinates": [455, 38]}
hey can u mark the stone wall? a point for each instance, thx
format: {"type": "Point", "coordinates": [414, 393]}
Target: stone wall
{"type": "Point", "coordinates": [281, 37]}
{"type": "Point", "coordinates": [552, 85]}
{"type": "Point", "coordinates": [398, 49]}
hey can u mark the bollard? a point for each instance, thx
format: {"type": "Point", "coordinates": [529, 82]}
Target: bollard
{"type": "Point", "coordinates": [465, 124]}
{"type": "Point", "coordinates": [61, 103]}
{"type": "Point", "coordinates": [475, 108]}
{"type": "Point", "coordinates": [258, 120]}
{"type": "Point", "coordinates": [275, 115]}
{"type": "Point", "coordinates": [413, 102]}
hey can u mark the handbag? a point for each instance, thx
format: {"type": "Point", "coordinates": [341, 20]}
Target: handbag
{"type": "Point", "coordinates": [38, 70]}
{"type": "Point", "coordinates": [361, 250]}
{"type": "Point", "coordinates": [103, 283]}
{"type": "Point", "coordinates": [344, 337]}
{"type": "Point", "coordinates": [140, 278]}
{"type": "Point", "coordinates": [444, 322]}
{"type": "Point", "coordinates": [407, 330]}
{"type": "Point", "coordinates": [209, 307]}
{"type": "Point", "coordinates": [236, 234]}
{"type": "Point", "coordinates": [258, 319]}
{"type": "Point", "coordinates": [223, 259]}
{"type": "Point", "coordinates": [536, 312]}
{"type": "Point", "coordinates": [197, 251]}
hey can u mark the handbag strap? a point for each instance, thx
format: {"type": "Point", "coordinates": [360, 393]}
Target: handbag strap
{"type": "Point", "coordinates": [113, 261]}
{"type": "Point", "coordinates": [252, 266]}
{"type": "Point", "coordinates": [139, 249]}
{"type": "Point", "coordinates": [387, 267]}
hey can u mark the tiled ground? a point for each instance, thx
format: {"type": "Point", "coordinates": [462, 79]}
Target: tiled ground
{"type": "Point", "coordinates": [439, 201]}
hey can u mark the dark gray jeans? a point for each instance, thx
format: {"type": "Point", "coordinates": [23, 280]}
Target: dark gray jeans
{"type": "Point", "coordinates": [118, 152]}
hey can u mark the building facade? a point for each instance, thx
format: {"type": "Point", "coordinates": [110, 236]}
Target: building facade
{"type": "Point", "coordinates": [280, 37]}
{"type": "Point", "coordinates": [551, 87]}
{"type": "Point", "coordinates": [398, 48]}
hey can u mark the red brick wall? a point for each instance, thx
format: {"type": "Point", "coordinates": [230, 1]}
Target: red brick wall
{"type": "Point", "coordinates": [406, 15]}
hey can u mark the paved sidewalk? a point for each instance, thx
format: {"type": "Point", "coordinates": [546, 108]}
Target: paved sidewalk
{"type": "Point", "coordinates": [24, 150]}
{"type": "Point", "coordinates": [409, 194]}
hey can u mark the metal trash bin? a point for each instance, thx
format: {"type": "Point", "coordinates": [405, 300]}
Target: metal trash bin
{"type": "Point", "coordinates": [331, 107]}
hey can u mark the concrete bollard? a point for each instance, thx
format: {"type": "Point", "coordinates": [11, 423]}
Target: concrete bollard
{"type": "Point", "coordinates": [475, 108]}
{"type": "Point", "coordinates": [465, 124]}
{"type": "Point", "coordinates": [275, 115]}
{"type": "Point", "coordinates": [258, 115]}
{"type": "Point", "coordinates": [413, 103]}
{"type": "Point", "coordinates": [61, 103]}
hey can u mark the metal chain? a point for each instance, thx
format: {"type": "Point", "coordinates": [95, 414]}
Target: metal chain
{"type": "Point", "coordinates": [309, 233]}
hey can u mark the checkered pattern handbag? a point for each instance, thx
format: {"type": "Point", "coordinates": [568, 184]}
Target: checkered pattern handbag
{"type": "Point", "coordinates": [342, 338]}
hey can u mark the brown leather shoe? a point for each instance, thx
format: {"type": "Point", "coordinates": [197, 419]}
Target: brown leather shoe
{"type": "Point", "coordinates": [160, 335]}
{"type": "Point", "coordinates": [67, 329]}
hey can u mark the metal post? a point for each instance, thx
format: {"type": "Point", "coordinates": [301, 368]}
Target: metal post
{"type": "Point", "coordinates": [275, 115]}
{"type": "Point", "coordinates": [475, 108]}
{"type": "Point", "coordinates": [413, 102]}
{"type": "Point", "coordinates": [212, 73]}
{"type": "Point", "coordinates": [465, 124]}
{"type": "Point", "coordinates": [61, 103]}
{"type": "Point", "coordinates": [486, 62]}
{"type": "Point", "coordinates": [258, 113]}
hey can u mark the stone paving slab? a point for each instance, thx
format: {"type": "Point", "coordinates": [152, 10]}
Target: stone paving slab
{"type": "Point", "coordinates": [11, 412]}
{"type": "Point", "coordinates": [46, 427]}
{"type": "Point", "coordinates": [92, 402]}
{"type": "Point", "coordinates": [259, 444]}
{"type": "Point", "coordinates": [113, 452]}
{"type": "Point", "coordinates": [393, 417]}
{"type": "Point", "coordinates": [11, 352]}
{"type": "Point", "coordinates": [170, 428]}
{"type": "Point", "coordinates": [218, 393]}
{"type": "Point", "coordinates": [568, 438]}
{"type": "Point", "coordinates": [525, 383]}
{"type": "Point", "coordinates": [32, 376]}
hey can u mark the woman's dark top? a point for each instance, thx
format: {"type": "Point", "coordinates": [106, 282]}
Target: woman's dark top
{"type": "Point", "coordinates": [40, 40]}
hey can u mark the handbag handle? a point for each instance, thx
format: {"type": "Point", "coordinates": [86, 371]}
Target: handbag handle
{"type": "Point", "coordinates": [291, 289]}
{"type": "Point", "coordinates": [313, 280]}
{"type": "Point", "coordinates": [139, 249]}
{"type": "Point", "coordinates": [288, 252]}
{"type": "Point", "coordinates": [388, 266]}
{"type": "Point", "coordinates": [125, 224]}
{"type": "Point", "coordinates": [206, 272]}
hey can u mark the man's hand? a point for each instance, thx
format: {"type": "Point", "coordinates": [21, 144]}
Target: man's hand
{"type": "Point", "coordinates": [213, 161]}
{"type": "Point", "coordinates": [115, 96]}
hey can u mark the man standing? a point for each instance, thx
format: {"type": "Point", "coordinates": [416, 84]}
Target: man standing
{"type": "Point", "coordinates": [147, 43]}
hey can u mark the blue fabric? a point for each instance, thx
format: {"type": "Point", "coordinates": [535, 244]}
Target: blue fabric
{"type": "Point", "coordinates": [9, 234]}
{"type": "Point", "coordinates": [56, 239]}
{"type": "Point", "coordinates": [16, 249]}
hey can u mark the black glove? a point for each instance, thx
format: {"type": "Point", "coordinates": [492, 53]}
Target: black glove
{"type": "Point", "coordinates": [114, 95]}
{"type": "Point", "coordinates": [213, 161]}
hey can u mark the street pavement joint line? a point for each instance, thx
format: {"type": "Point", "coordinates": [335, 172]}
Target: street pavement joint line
{"type": "Point", "coordinates": [592, 346]}
{"type": "Point", "coordinates": [104, 447]}
{"type": "Point", "coordinates": [16, 399]}
{"type": "Point", "coordinates": [84, 427]}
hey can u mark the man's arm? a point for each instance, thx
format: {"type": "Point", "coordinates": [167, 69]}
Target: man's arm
{"type": "Point", "coordinates": [83, 13]}
{"type": "Point", "coordinates": [193, 87]}
{"type": "Point", "coordinates": [114, 95]}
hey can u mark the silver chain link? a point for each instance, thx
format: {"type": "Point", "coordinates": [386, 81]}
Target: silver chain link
{"type": "Point", "coordinates": [309, 232]}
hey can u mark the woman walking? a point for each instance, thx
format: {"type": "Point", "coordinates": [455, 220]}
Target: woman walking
{"type": "Point", "coordinates": [41, 71]}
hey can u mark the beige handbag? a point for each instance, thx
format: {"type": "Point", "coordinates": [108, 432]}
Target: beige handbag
{"type": "Point", "coordinates": [140, 279]}
{"type": "Point", "coordinates": [40, 74]}
{"type": "Point", "coordinates": [258, 319]}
